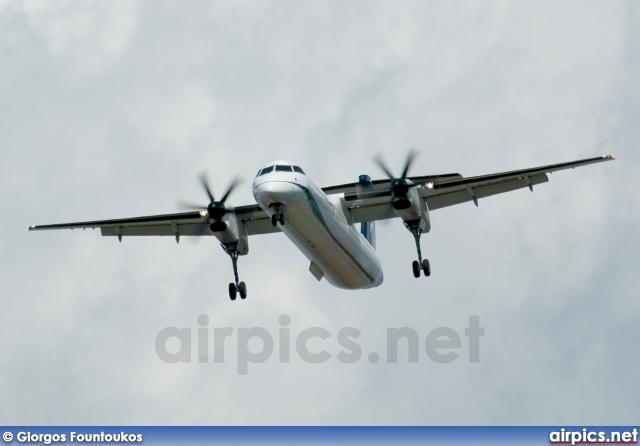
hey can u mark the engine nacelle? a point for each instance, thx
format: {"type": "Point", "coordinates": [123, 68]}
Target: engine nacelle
{"type": "Point", "coordinates": [234, 232]}
{"type": "Point", "coordinates": [413, 209]}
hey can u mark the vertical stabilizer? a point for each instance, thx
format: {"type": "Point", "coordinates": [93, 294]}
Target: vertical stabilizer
{"type": "Point", "coordinates": [367, 228]}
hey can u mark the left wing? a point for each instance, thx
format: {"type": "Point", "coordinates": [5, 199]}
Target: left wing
{"type": "Point", "coordinates": [443, 191]}
{"type": "Point", "coordinates": [183, 224]}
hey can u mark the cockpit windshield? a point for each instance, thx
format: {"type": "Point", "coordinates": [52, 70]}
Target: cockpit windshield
{"type": "Point", "coordinates": [280, 168]}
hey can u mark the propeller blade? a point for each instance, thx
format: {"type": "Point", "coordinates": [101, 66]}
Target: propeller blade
{"type": "Point", "coordinates": [190, 206]}
{"type": "Point", "coordinates": [378, 160]}
{"type": "Point", "coordinates": [203, 229]}
{"type": "Point", "coordinates": [407, 166]}
{"type": "Point", "coordinates": [205, 184]}
{"type": "Point", "coordinates": [232, 186]}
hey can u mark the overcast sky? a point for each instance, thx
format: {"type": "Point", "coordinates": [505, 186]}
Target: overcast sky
{"type": "Point", "coordinates": [111, 109]}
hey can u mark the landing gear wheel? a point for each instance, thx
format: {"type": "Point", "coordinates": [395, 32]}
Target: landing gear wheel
{"type": "Point", "coordinates": [243, 290]}
{"type": "Point", "coordinates": [281, 218]}
{"type": "Point", "coordinates": [426, 267]}
{"type": "Point", "coordinates": [232, 291]}
{"type": "Point", "coordinates": [274, 220]}
{"type": "Point", "coordinates": [416, 269]}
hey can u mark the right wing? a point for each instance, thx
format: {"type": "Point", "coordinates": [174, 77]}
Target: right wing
{"type": "Point", "coordinates": [184, 224]}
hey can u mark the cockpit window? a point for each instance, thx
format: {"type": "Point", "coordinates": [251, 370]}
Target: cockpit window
{"type": "Point", "coordinates": [283, 169]}
{"type": "Point", "coordinates": [265, 170]}
{"type": "Point", "coordinates": [297, 169]}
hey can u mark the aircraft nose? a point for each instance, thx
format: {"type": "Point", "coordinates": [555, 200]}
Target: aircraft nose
{"type": "Point", "coordinates": [273, 192]}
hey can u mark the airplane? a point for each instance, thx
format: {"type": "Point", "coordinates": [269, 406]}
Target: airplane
{"type": "Point", "coordinates": [321, 222]}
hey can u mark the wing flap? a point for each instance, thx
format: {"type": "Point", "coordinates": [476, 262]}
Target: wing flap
{"type": "Point", "coordinates": [258, 226]}
{"type": "Point", "coordinates": [256, 220]}
{"type": "Point", "coordinates": [188, 229]}
{"type": "Point", "coordinates": [372, 212]}
{"type": "Point", "coordinates": [464, 195]}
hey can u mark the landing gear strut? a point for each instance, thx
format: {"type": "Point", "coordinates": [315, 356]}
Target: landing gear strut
{"type": "Point", "coordinates": [420, 264]}
{"type": "Point", "coordinates": [234, 288]}
{"type": "Point", "coordinates": [278, 217]}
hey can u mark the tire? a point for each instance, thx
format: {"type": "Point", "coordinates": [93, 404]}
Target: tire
{"type": "Point", "coordinates": [426, 267]}
{"type": "Point", "coordinates": [282, 219]}
{"type": "Point", "coordinates": [274, 222]}
{"type": "Point", "coordinates": [243, 290]}
{"type": "Point", "coordinates": [232, 291]}
{"type": "Point", "coordinates": [416, 269]}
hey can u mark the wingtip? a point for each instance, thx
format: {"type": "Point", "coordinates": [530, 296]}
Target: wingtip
{"type": "Point", "coordinates": [31, 228]}
{"type": "Point", "coordinates": [608, 157]}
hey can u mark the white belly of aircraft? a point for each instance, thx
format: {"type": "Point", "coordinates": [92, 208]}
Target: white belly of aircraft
{"type": "Point", "coordinates": [335, 247]}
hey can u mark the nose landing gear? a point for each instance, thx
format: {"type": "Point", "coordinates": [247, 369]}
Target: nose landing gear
{"type": "Point", "coordinates": [278, 217]}
{"type": "Point", "coordinates": [420, 264]}
{"type": "Point", "coordinates": [234, 288]}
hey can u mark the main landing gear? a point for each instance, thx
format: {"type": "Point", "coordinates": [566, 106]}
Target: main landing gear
{"type": "Point", "coordinates": [420, 264]}
{"type": "Point", "coordinates": [278, 217]}
{"type": "Point", "coordinates": [234, 288]}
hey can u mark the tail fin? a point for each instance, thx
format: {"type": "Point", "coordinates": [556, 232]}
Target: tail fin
{"type": "Point", "coordinates": [367, 228]}
{"type": "Point", "coordinates": [368, 231]}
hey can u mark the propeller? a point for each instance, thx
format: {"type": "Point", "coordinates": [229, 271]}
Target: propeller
{"type": "Point", "coordinates": [216, 209]}
{"type": "Point", "coordinates": [399, 185]}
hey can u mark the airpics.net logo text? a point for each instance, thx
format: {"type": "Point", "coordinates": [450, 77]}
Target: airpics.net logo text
{"type": "Point", "coordinates": [313, 345]}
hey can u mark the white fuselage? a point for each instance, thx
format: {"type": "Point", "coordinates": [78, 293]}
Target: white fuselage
{"type": "Point", "coordinates": [315, 223]}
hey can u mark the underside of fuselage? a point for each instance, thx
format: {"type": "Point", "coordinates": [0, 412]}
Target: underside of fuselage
{"type": "Point", "coordinates": [320, 231]}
